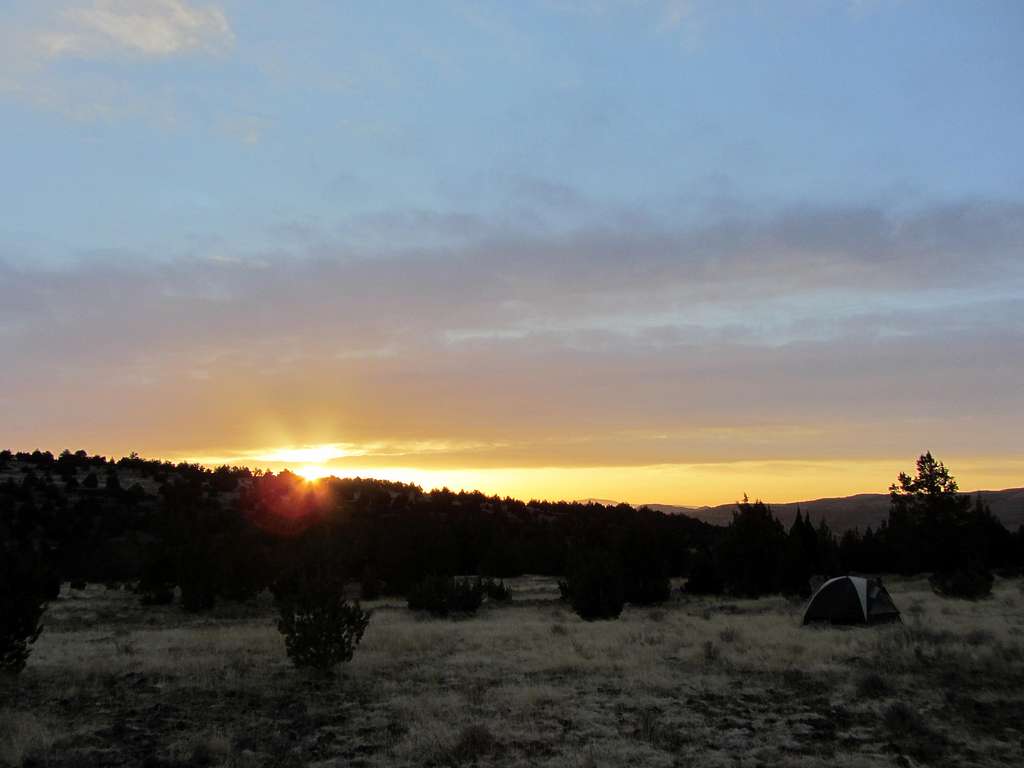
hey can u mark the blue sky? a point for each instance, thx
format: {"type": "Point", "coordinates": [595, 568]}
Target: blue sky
{"type": "Point", "coordinates": [582, 187]}
{"type": "Point", "coordinates": [313, 113]}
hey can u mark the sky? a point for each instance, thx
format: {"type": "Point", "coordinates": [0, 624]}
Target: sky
{"type": "Point", "coordinates": [666, 251]}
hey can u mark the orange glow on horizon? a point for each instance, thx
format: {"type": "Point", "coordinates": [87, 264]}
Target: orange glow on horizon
{"type": "Point", "coordinates": [311, 472]}
{"type": "Point", "coordinates": [692, 484]}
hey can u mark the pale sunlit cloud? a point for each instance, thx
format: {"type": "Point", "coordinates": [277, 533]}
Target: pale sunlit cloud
{"type": "Point", "coordinates": [139, 27]}
{"type": "Point", "coordinates": [43, 46]}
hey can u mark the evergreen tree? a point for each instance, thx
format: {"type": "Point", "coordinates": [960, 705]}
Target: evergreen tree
{"type": "Point", "coordinates": [752, 550]}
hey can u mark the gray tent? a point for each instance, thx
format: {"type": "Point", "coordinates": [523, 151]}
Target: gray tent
{"type": "Point", "coordinates": [851, 600]}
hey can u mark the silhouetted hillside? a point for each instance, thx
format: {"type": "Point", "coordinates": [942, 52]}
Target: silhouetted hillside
{"type": "Point", "coordinates": [860, 511]}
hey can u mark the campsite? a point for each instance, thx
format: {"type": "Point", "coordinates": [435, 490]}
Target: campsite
{"type": "Point", "coordinates": [697, 681]}
{"type": "Point", "coordinates": [511, 384]}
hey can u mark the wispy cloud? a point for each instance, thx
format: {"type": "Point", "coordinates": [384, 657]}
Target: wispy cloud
{"type": "Point", "coordinates": [139, 27]}
{"type": "Point", "coordinates": [42, 44]}
{"type": "Point", "coordinates": [753, 337]}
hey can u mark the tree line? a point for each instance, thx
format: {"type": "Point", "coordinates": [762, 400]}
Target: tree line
{"type": "Point", "coordinates": [229, 533]}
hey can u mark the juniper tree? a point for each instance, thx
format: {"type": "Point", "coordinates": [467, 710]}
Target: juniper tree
{"type": "Point", "coordinates": [321, 627]}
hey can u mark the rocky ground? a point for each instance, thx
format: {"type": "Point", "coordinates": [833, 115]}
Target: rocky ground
{"type": "Point", "coordinates": [695, 682]}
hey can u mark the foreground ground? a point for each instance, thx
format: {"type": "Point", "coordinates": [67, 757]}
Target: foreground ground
{"type": "Point", "coordinates": [696, 682]}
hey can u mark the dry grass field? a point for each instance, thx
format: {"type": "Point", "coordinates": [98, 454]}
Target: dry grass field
{"type": "Point", "coordinates": [700, 682]}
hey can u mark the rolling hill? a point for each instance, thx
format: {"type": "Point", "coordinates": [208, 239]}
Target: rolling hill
{"type": "Point", "coordinates": [857, 511]}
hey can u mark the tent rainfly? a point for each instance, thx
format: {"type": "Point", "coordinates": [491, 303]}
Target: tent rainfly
{"type": "Point", "coordinates": [851, 600]}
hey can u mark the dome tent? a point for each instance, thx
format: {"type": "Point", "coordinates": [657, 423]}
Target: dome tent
{"type": "Point", "coordinates": [851, 600]}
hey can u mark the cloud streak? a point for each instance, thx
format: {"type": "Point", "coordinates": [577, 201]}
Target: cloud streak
{"type": "Point", "coordinates": [72, 59]}
{"type": "Point", "coordinates": [137, 27]}
{"type": "Point", "coordinates": [832, 333]}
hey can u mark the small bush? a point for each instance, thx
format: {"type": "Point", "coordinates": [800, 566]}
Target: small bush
{"type": "Point", "coordinates": [595, 587]}
{"type": "Point", "coordinates": [442, 595]}
{"type": "Point", "coordinates": [712, 652]}
{"type": "Point", "coordinates": [563, 590]}
{"type": "Point", "coordinates": [968, 583]}
{"type": "Point", "coordinates": [465, 595]}
{"type": "Point", "coordinates": [430, 594]}
{"type": "Point", "coordinates": [497, 591]}
{"type": "Point", "coordinates": [157, 596]}
{"type": "Point", "coordinates": [321, 628]}
{"type": "Point", "coordinates": [729, 635]}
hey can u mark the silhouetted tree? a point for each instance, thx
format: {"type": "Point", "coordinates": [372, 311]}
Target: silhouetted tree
{"type": "Point", "coordinates": [751, 550]}
{"type": "Point", "coordinates": [705, 577]}
{"type": "Point", "coordinates": [645, 561]}
{"type": "Point", "coordinates": [24, 590]}
{"type": "Point", "coordinates": [933, 527]}
{"type": "Point", "coordinates": [594, 584]}
{"type": "Point", "coordinates": [798, 558]}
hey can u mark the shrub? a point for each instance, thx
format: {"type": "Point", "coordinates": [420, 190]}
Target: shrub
{"type": "Point", "coordinates": [563, 590]}
{"type": "Point", "coordinates": [712, 652]}
{"type": "Point", "coordinates": [970, 583]}
{"type": "Point", "coordinates": [23, 589]}
{"type": "Point", "coordinates": [497, 591]}
{"type": "Point", "coordinates": [321, 628]}
{"type": "Point", "coordinates": [442, 595]}
{"type": "Point", "coordinates": [729, 635]}
{"type": "Point", "coordinates": [594, 585]}
{"type": "Point", "coordinates": [465, 595]}
{"type": "Point", "coordinates": [157, 596]}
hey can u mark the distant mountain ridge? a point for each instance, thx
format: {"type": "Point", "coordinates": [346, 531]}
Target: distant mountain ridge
{"type": "Point", "coordinates": [859, 511]}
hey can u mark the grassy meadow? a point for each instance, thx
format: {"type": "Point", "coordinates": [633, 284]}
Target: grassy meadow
{"type": "Point", "coordinates": [698, 681]}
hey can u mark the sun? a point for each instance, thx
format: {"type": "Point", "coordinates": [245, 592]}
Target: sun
{"type": "Point", "coordinates": [312, 472]}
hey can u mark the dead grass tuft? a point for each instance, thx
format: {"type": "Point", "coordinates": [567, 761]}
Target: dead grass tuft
{"type": "Point", "coordinates": [730, 635]}
{"type": "Point", "coordinates": [712, 653]}
{"type": "Point", "coordinates": [911, 733]}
